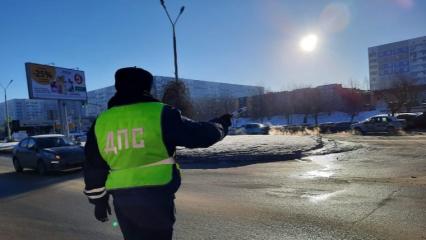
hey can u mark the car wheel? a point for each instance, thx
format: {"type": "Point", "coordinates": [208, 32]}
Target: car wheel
{"type": "Point", "coordinates": [391, 130]}
{"type": "Point", "coordinates": [41, 168]}
{"type": "Point", "coordinates": [358, 131]}
{"type": "Point", "coordinates": [17, 165]}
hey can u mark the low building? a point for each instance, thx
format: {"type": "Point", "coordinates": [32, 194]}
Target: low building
{"type": "Point", "coordinates": [98, 99]}
{"type": "Point", "coordinates": [41, 116]}
{"type": "Point", "coordinates": [309, 101]}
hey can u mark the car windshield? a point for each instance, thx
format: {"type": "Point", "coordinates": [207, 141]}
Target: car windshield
{"type": "Point", "coordinates": [50, 142]}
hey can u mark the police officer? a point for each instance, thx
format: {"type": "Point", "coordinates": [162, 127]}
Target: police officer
{"type": "Point", "coordinates": [130, 154]}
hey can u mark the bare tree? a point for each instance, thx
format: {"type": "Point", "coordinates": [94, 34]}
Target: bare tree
{"type": "Point", "coordinates": [270, 104]}
{"type": "Point", "coordinates": [403, 93]}
{"type": "Point", "coordinates": [302, 103]}
{"type": "Point", "coordinates": [354, 102]}
{"type": "Point", "coordinates": [210, 107]}
{"type": "Point", "coordinates": [177, 94]}
{"type": "Point", "coordinates": [256, 107]}
{"type": "Point", "coordinates": [287, 106]}
{"type": "Point", "coordinates": [199, 107]}
{"type": "Point", "coordinates": [228, 104]}
{"type": "Point", "coordinates": [316, 103]}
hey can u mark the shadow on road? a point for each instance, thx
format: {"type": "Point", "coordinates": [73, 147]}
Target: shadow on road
{"type": "Point", "coordinates": [12, 183]}
{"type": "Point", "coordinates": [221, 161]}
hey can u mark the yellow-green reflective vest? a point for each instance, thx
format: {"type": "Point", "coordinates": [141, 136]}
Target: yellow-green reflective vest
{"type": "Point", "coordinates": [130, 140]}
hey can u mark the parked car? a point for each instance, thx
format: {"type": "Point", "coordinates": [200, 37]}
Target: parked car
{"type": "Point", "coordinates": [44, 153]}
{"type": "Point", "coordinates": [330, 127]}
{"type": "Point", "coordinates": [343, 126]}
{"type": "Point", "coordinates": [254, 128]}
{"type": "Point", "coordinates": [78, 136]}
{"type": "Point", "coordinates": [326, 127]}
{"type": "Point", "coordinates": [420, 121]}
{"type": "Point", "coordinates": [409, 119]}
{"type": "Point", "coordinates": [378, 124]}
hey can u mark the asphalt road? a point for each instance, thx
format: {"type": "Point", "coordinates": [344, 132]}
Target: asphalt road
{"type": "Point", "coordinates": [376, 191]}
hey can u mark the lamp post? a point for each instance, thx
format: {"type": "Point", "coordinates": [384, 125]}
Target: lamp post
{"type": "Point", "coordinates": [174, 34]}
{"type": "Point", "coordinates": [6, 114]}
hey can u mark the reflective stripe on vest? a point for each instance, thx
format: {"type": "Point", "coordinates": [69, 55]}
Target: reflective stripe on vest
{"type": "Point", "coordinates": [130, 140]}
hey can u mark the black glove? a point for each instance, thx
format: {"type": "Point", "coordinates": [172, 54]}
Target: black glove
{"type": "Point", "coordinates": [225, 121]}
{"type": "Point", "coordinates": [102, 209]}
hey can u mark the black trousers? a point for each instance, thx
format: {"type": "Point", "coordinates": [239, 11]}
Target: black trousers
{"type": "Point", "coordinates": [147, 213]}
{"type": "Point", "coordinates": [142, 217]}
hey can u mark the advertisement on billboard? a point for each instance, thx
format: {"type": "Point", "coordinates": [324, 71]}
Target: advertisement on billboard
{"type": "Point", "coordinates": [50, 82]}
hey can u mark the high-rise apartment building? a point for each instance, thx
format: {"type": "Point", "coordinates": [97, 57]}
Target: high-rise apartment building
{"type": "Point", "coordinates": [392, 61]}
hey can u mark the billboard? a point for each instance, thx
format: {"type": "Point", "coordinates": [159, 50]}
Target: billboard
{"type": "Point", "coordinates": [50, 82]}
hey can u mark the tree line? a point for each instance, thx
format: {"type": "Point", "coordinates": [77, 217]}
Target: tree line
{"type": "Point", "coordinates": [309, 102]}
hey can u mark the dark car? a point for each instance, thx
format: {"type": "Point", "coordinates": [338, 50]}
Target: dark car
{"type": "Point", "coordinates": [330, 127]}
{"type": "Point", "coordinates": [420, 121]}
{"type": "Point", "coordinates": [343, 126]}
{"type": "Point", "coordinates": [45, 153]}
{"type": "Point", "coordinates": [254, 128]}
{"type": "Point", "coordinates": [327, 127]}
{"type": "Point", "coordinates": [409, 118]}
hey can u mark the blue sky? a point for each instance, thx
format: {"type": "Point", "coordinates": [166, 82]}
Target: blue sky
{"type": "Point", "coordinates": [237, 41]}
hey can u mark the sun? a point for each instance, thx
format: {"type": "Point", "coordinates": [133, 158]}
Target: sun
{"type": "Point", "coordinates": [308, 43]}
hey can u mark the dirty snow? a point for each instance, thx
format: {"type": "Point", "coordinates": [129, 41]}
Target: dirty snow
{"type": "Point", "coordinates": [252, 148]}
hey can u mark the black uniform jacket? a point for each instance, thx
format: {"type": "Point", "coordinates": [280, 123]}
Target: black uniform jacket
{"type": "Point", "coordinates": [177, 131]}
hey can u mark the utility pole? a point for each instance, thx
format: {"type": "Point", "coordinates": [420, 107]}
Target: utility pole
{"type": "Point", "coordinates": [173, 23]}
{"type": "Point", "coordinates": [6, 112]}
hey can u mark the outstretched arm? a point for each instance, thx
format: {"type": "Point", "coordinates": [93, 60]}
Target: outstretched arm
{"type": "Point", "coordinates": [181, 131]}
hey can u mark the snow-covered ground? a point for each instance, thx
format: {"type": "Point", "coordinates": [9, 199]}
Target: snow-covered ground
{"type": "Point", "coordinates": [251, 148]}
{"type": "Point", "coordinates": [298, 118]}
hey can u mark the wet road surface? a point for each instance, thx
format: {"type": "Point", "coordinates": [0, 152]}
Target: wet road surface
{"type": "Point", "coordinates": [377, 191]}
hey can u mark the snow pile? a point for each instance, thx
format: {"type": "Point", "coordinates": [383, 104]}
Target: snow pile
{"type": "Point", "coordinates": [251, 148]}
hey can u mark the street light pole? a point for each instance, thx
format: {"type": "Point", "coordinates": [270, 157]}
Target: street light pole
{"type": "Point", "coordinates": [175, 54]}
{"type": "Point", "coordinates": [5, 108]}
{"type": "Point", "coordinates": [173, 23]}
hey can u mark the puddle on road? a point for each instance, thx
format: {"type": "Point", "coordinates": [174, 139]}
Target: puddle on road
{"type": "Point", "coordinates": [326, 167]}
{"type": "Point", "coordinates": [312, 195]}
{"type": "Point", "coordinates": [326, 173]}
{"type": "Point", "coordinates": [316, 198]}
{"type": "Point", "coordinates": [326, 162]}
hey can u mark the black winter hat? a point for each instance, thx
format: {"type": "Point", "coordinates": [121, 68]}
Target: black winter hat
{"type": "Point", "coordinates": [133, 80]}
